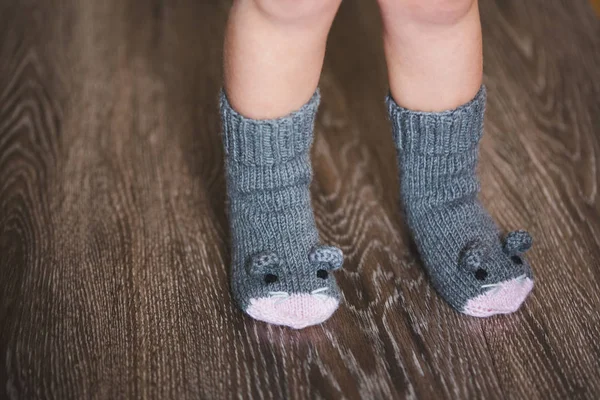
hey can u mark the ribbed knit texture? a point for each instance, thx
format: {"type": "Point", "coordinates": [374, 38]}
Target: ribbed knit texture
{"type": "Point", "coordinates": [268, 176]}
{"type": "Point", "coordinates": [437, 155]}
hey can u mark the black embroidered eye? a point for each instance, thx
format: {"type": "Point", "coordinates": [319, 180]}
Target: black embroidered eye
{"type": "Point", "coordinates": [517, 260]}
{"type": "Point", "coordinates": [322, 274]}
{"type": "Point", "coordinates": [481, 274]}
{"type": "Point", "coordinates": [270, 278]}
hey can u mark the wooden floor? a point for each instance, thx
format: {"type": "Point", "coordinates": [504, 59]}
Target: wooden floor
{"type": "Point", "coordinates": [114, 239]}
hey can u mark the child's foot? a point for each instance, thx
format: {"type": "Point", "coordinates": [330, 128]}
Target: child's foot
{"type": "Point", "coordinates": [280, 273]}
{"type": "Point", "coordinates": [472, 267]}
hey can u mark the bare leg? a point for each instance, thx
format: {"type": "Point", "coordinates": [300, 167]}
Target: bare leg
{"type": "Point", "coordinates": [274, 53]}
{"type": "Point", "coordinates": [433, 51]}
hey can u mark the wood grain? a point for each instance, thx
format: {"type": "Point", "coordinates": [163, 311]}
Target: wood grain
{"type": "Point", "coordinates": [114, 239]}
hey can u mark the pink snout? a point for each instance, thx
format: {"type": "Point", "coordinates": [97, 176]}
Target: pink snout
{"type": "Point", "coordinates": [295, 310]}
{"type": "Point", "coordinates": [501, 298]}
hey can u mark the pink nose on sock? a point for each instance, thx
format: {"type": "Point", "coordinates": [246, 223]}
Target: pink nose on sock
{"type": "Point", "coordinates": [296, 310]}
{"type": "Point", "coordinates": [504, 298]}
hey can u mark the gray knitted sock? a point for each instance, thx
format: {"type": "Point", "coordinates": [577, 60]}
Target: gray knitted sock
{"type": "Point", "coordinates": [280, 274]}
{"type": "Point", "coordinates": [472, 267]}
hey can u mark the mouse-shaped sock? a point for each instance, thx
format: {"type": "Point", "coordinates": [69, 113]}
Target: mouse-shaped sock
{"type": "Point", "coordinates": [470, 264]}
{"type": "Point", "coordinates": [280, 273]}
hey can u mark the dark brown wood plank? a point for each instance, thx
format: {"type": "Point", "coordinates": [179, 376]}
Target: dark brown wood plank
{"type": "Point", "coordinates": [114, 239]}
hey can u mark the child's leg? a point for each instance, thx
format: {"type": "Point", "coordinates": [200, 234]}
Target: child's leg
{"type": "Point", "coordinates": [273, 57]}
{"type": "Point", "coordinates": [274, 53]}
{"type": "Point", "coordinates": [433, 49]}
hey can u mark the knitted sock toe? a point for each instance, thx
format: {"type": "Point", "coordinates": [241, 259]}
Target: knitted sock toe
{"type": "Point", "coordinates": [471, 266]}
{"type": "Point", "coordinates": [280, 273]}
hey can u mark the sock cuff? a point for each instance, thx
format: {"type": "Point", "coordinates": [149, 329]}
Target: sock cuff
{"type": "Point", "coordinates": [446, 132]}
{"type": "Point", "coordinates": [269, 141]}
